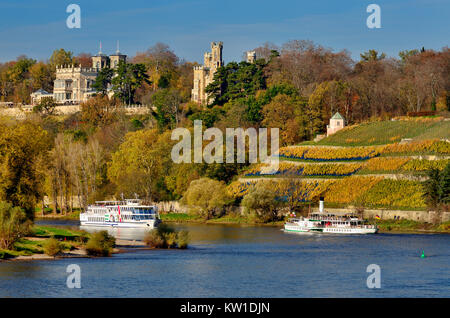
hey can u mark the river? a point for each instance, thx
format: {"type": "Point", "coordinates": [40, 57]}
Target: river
{"type": "Point", "coordinates": [247, 261]}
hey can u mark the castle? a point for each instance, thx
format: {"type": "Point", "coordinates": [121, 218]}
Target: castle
{"type": "Point", "coordinates": [203, 75]}
{"type": "Point", "coordinates": [73, 85]}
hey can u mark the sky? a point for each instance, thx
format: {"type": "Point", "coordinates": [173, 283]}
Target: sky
{"type": "Point", "coordinates": [37, 27]}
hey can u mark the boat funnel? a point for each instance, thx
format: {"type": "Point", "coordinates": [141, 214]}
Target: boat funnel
{"type": "Point", "coordinates": [321, 205]}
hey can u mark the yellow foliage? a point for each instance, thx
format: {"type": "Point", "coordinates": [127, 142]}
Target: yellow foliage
{"type": "Point", "coordinates": [426, 146]}
{"type": "Point", "coordinates": [347, 190]}
{"type": "Point", "coordinates": [329, 153]}
{"type": "Point", "coordinates": [385, 163]}
{"type": "Point", "coordinates": [395, 193]}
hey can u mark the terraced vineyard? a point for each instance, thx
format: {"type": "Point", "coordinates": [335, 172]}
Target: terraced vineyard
{"type": "Point", "coordinates": [385, 176]}
{"type": "Point", "coordinates": [387, 132]}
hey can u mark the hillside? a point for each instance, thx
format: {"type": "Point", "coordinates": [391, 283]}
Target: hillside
{"type": "Point", "coordinates": [387, 132]}
{"type": "Point", "coordinates": [370, 168]}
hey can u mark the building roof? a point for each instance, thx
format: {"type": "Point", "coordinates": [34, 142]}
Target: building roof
{"type": "Point", "coordinates": [337, 116]}
{"type": "Point", "coordinates": [42, 92]}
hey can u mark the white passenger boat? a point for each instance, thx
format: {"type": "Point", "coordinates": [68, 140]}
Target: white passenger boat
{"type": "Point", "coordinates": [322, 222]}
{"type": "Point", "coordinates": [122, 214]}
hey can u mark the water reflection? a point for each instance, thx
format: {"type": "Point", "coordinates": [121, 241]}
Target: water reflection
{"type": "Point", "coordinates": [236, 261]}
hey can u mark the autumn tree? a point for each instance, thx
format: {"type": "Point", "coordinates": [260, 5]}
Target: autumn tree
{"type": "Point", "coordinates": [261, 201]}
{"type": "Point", "coordinates": [207, 197]}
{"type": "Point", "coordinates": [61, 57]}
{"type": "Point", "coordinates": [99, 110]}
{"type": "Point", "coordinates": [46, 106]}
{"type": "Point", "coordinates": [141, 164]}
{"type": "Point", "coordinates": [21, 146]}
{"type": "Point", "coordinates": [287, 114]}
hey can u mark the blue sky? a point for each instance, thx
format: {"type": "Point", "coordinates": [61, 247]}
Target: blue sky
{"type": "Point", "coordinates": [37, 27]}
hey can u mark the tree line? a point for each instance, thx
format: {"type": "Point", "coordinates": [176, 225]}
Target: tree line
{"type": "Point", "coordinates": [101, 152]}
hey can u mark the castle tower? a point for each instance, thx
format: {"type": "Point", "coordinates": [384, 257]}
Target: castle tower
{"type": "Point", "coordinates": [115, 59]}
{"type": "Point", "coordinates": [203, 75]}
{"type": "Point", "coordinates": [100, 61]}
{"type": "Point", "coordinates": [251, 57]}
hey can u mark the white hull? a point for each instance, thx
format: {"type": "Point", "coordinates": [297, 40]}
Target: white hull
{"type": "Point", "coordinates": [146, 224]}
{"type": "Point", "coordinates": [302, 229]}
{"type": "Point", "coordinates": [349, 231]}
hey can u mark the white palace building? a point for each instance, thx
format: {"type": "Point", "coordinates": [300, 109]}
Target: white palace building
{"type": "Point", "coordinates": [73, 84]}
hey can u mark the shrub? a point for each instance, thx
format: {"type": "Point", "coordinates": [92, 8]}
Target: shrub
{"type": "Point", "coordinates": [13, 225]}
{"type": "Point", "coordinates": [182, 239]}
{"type": "Point", "coordinates": [154, 239]}
{"type": "Point", "coordinates": [166, 237]}
{"type": "Point", "coordinates": [101, 244]}
{"type": "Point", "coordinates": [170, 239]}
{"type": "Point", "coordinates": [52, 247]}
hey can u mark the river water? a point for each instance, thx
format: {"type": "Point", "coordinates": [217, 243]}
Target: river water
{"type": "Point", "coordinates": [247, 261]}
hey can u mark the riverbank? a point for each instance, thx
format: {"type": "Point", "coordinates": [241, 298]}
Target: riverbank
{"type": "Point", "coordinates": [225, 219]}
{"type": "Point", "coordinates": [71, 240]}
{"type": "Point", "coordinates": [385, 226]}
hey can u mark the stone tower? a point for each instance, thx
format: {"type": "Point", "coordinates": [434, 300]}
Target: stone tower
{"type": "Point", "coordinates": [115, 59]}
{"type": "Point", "coordinates": [203, 75]}
{"type": "Point", "coordinates": [100, 61]}
{"type": "Point", "coordinates": [251, 57]}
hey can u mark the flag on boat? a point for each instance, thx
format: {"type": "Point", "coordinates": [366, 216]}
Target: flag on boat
{"type": "Point", "coordinates": [377, 217]}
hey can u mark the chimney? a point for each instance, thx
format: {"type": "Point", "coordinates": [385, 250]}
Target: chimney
{"type": "Point", "coordinates": [321, 205]}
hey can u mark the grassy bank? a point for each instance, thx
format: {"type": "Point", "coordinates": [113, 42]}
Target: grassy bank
{"type": "Point", "coordinates": [48, 214]}
{"type": "Point", "coordinates": [408, 226]}
{"type": "Point", "coordinates": [385, 226]}
{"type": "Point", "coordinates": [35, 243]}
{"type": "Point", "coordinates": [225, 219]}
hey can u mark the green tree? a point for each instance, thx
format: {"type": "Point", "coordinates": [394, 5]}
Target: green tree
{"type": "Point", "coordinates": [237, 80]}
{"type": "Point", "coordinates": [167, 103]}
{"type": "Point", "coordinates": [13, 225]}
{"type": "Point", "coordinates": [103, 80]}
{"type": "Point", "coordinates": [437, 187]}
{"type": "Point", "coordinates": [128, 79]}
